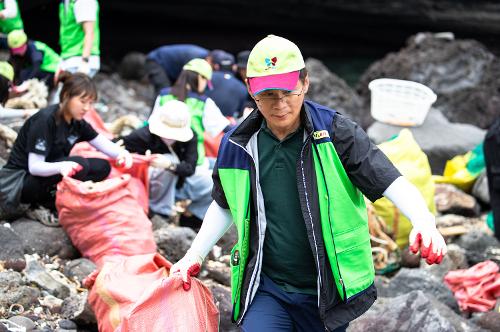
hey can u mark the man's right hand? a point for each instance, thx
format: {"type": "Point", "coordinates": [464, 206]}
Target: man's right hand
{"type": "Point", "coordinates": [69, 168]}
{"type": "Point", "coordinates": [188, 266]}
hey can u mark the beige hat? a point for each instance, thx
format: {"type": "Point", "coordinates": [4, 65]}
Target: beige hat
{"type": "Point", "coordinates": [172, 121]}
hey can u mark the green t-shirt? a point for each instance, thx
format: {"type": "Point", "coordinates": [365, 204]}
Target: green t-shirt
{"type": "Point", "coordinates": [288, 259]}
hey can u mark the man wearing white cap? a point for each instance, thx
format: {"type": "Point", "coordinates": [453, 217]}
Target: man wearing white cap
{"type": "Point", "coordinates": [173, 174]}
{"type": "Point", "coordinates": [292, 178]}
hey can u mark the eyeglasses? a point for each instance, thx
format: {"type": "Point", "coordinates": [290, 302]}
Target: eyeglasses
{"type": "Point", "coordinates": [271, 98]}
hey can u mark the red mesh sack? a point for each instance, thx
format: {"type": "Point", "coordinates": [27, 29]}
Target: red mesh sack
{"type": "Point", "coordinates": [104, 219]}
{"type": "Point", "coordinates": [138, 171]}
{"type": "Point", "coordinates": [137, 294]}
{"type": "Point", "coordinates": [477, 288]}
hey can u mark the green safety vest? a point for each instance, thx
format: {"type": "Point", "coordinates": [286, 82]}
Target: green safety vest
{"type": "Point", "coordinates": [196, 105]}
{"type": "Point", "coordinates": [9, 24]}
{"type": "Point", "coordinates": [51, 59]}
{"type": "Point", "coordinates": [71, 33]}
{"type": "Point", "coordinates": [343, 216]}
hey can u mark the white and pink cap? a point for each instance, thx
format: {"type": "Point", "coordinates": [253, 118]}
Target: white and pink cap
{"type": "Point", "coordinates": [286, 81]}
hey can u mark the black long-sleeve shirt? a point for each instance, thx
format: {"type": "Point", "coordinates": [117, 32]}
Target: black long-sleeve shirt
{"type": "Point", "coordinates": [141, 140]}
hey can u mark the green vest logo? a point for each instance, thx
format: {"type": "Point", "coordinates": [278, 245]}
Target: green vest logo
{"type": "Point", "coordinates": [320, 134]}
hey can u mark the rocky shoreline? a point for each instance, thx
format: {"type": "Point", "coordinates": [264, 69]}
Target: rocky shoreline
{"type": "Point", "coordinates": [41, 273]}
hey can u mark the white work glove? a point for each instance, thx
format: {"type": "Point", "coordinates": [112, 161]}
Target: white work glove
{"type": "Point", "coordinates": [425, 237]}
{"type": "Point", "coordinates": [83, 67]}
{"type": "Point", "coordinates": [188, 266]}
{"type": "Point", "coordinates": [124, 159]}
{"type": "Point", "coordinates": [69, 168]}
{"type": "Point", "coordinates": [161, 161]}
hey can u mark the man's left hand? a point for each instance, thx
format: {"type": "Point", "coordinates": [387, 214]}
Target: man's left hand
{"type": "Point", "coordinates": [425, 237]}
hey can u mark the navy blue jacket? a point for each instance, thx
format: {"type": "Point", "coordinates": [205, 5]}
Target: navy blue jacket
{"type": "Point", "coordinates": [28, 66]}
{"type": "Point", "coordinates": [228, 92]}
{"type": "Point", "coordinates": [173, 57]}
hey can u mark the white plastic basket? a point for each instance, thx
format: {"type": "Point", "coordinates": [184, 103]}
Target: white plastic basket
{"type": "Point", "coordinates": [399, 102]}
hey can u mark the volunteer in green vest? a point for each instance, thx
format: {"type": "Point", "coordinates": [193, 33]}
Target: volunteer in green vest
{"type": "Point", "coordinates": [205, 114]}
{"type": "Point", "coordinates": [31, 59]}
{"type": "Point", "coordinates": [80, 36]}
{"type": "Point", "coordinates": [10, 16]}
{"type": "Point", "coordinates": [292, 178]}
{"type": "Point", "coordinates": [6, 77]}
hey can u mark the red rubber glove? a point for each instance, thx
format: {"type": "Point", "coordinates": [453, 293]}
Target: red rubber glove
{"type": "Point", "coordinates": [69, 168]}
{"type": "Point", "coordinates": [425, 237]}
{"type": "Point", "coordinates": [188, 266]}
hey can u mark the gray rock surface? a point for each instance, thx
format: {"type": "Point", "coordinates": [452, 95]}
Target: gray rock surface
{"type": "Point", "coordinates": [36, 273]}
{"type": "Point", "coordinates": [67, 324]}
{"type": "Point", "coordinates": [219, 272]}
{"type": "Point", "coordinates": [159, 222]}
{"type": "Point", "coordinates": [459, 322]}
{"type": "Point", "coordinates": [43, 240]}
{"type": "Point", "coordinates": [490, 321]}
{"type": "Point", "coordinates": [407, 280]}
{"type": "Point", "coordinates": [411, 311]}
{"type": "Point", "coordinates": [122, 97]}
{"type": "Point", "coordinates": [463, 73]}
{"type": "Point", "coordinates": [437, 137]}
{"type": "Point", "coordinates": [22, 295]}
{"type": "Point", "coordinates": [173, 241]}
{"type": "Point", "coordinates": [329, 90]}
{"type": "Point", "coordinates": [476, 245]}
{"type": "Point", "coordinates": [79, 268]}
{"type": "Point", "coordinates": [11, 245]}
{"type": "Point", "coordinates": [25, 322]}
{"type": "Point", "coordinates": [78, 310]}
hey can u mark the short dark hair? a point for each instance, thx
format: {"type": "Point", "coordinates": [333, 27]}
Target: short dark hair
{"type": "Point", "coordinates": [76, 85]}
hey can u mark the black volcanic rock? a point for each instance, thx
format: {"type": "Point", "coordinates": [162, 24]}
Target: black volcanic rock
{"type": "Point", "coordinates": [463, 73]}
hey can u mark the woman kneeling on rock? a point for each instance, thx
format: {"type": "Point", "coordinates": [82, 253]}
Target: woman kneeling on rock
{"type": "Point", "coordinates": [40, 155]}
{"type": "Point", "coordinates": [172, 176]}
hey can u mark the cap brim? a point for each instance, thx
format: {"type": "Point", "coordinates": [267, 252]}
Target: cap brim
{"type": "Point", "coordinates": [158, 128]}
{"type": "Point", "coordinates": [19, 50]}
{"type": "Point", "coordinates": [286, 81]}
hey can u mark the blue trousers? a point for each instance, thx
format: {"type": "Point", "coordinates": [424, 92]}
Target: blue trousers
{"type": "Point", "coordinates": [274, 310]}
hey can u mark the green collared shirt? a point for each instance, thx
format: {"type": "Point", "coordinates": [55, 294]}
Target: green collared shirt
{"type": "Point", "coordinates": [288, 259]}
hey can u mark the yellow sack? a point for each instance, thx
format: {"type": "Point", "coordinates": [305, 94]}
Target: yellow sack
{"type": "Point", "coordinates": [413, 164]}
{"type": "Point", "coordinates": [456, 173]}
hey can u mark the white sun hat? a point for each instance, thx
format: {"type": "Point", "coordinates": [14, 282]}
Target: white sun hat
{"type": "Point", "coordinates": [172, 121]}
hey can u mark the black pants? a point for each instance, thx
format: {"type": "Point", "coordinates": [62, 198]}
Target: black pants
{"type": "Point", "coordinates": [157, 76]}
{"type": "Point", "coordinates": [42, 189]}
{"type": "Point", "coordinates": [492, 159]}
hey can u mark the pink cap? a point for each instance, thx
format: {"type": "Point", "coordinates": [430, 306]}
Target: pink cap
{"type": "Point", "coordinates": [287, 81]}
{"type": "Point", "coordinates": [19, 50]}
